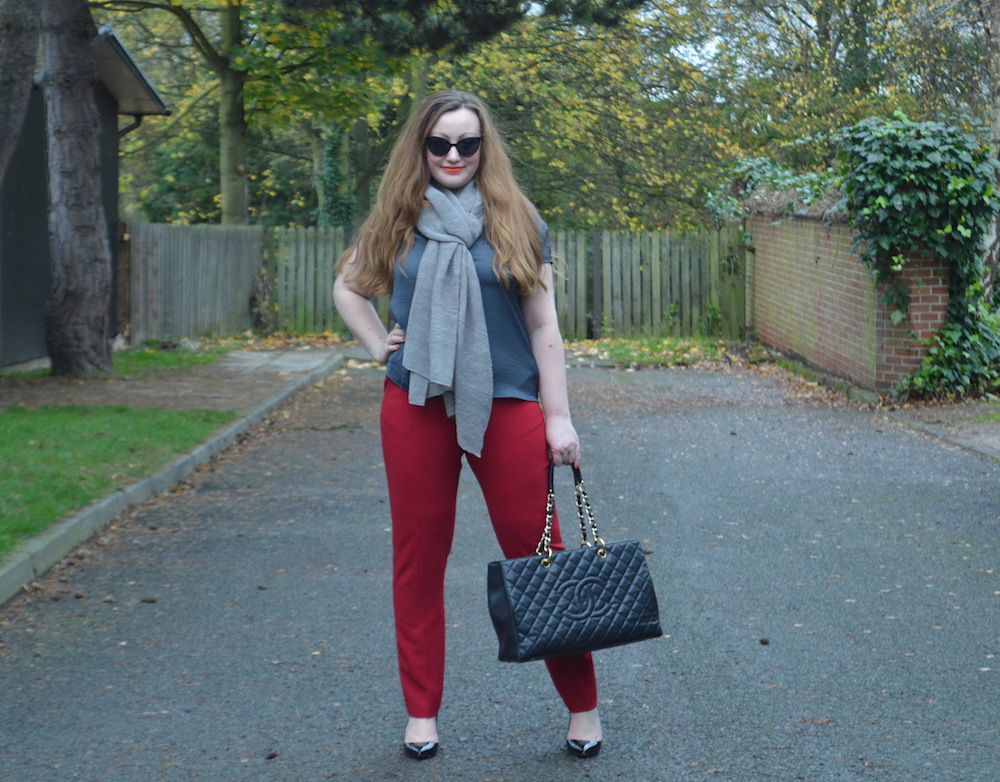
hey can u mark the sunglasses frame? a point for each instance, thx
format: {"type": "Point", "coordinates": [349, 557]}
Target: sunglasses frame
{"type": "Point", "coordinates": [457, 145]}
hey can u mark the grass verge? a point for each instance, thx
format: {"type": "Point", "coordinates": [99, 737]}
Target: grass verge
{"type": "Point", "coordinates": [670, 351]}
{"type": "Point", "coordinates": [56, 459]}
{"type": "Point", "coordinates": [146, 360]}
{"type": "Point", "coordinates": [142, 361]}
{"type": "Point", "coordinates": [986, 418]}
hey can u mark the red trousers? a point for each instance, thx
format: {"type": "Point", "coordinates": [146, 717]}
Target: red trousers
{"type": "Point", "coordinates": [422, 465]}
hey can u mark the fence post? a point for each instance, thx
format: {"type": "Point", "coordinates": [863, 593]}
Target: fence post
{"type": "Point", "coordinates": [713, 304]}
{"type": "Point", "coordinates": [265, 289]}
{"type": "Point", "coordinates": [655, 283]}
{"type": "Point", "coordinates": [123, 275]}
{"type": "Point", "coordinates": [598, 272]}
{"type": "Point", "coordinates": [579, 291]}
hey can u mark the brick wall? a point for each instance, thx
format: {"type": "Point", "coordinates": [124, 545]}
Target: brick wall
{"type": "Point", "coordinates": [901, 348]}
{"type": "Point", "coordinates": [811, 296]}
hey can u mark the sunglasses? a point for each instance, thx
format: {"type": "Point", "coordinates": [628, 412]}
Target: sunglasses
{"type": "Point", "coordinates": [440, 147]}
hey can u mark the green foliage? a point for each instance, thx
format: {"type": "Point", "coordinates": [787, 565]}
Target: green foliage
{"type": "Point", "coordinates": [918, 186]}
{"type": "Point", "coordinates": [182, 184]}
{"type": "Point", "coordinates": [179, 183]}
{"type": "Point", "coordinates": [711, 321]}
{"type": "Point", "coordinates": [624, 125]}
{"type": "Point", "coordinates": [964, 357]}
{"type": "Point", "coordinates": [792, 71]}
{"type": "Point", "coordinates": [337, 207]}
{"type": "Point", "coordinates": [756, 172]}
{"type": "Point", "coordinates": [761, 174]}
{"type": "Point", "coordinates": [400, 26]}
{"type": "Point", "coordinates": [927, 187]}
{"type": "Point", "coordinates": [608, 126]}
{"type": "Point", "coordinates": [58, 459]}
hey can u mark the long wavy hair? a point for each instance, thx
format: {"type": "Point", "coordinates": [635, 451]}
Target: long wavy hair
{"type": "Point", "coordinates": [510, 222]}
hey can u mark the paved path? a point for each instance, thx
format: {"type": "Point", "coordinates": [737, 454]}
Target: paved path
{"type": "Point", "coordinates": [240, 380]}
{"type": "Point", "coordinates": [827, 577]}
{"type": "Point", "coordinates": [250, 383]}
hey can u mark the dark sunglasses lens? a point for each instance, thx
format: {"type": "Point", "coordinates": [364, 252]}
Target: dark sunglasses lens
{"type": "Point", "coordinates": [438, 146]}
{"type": "Point", "coordinates": [467, 147]}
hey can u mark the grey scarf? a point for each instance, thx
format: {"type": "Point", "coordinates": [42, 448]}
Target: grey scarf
{"type": "Point", "coordinates": [447, 347]}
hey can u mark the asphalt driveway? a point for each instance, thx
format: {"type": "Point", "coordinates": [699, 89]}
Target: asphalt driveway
{"type": "Point", "coordinates": [827, 579]}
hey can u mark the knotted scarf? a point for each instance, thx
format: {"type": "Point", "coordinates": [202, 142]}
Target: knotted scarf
{"type": "Point", "coordinates": [447, 346]}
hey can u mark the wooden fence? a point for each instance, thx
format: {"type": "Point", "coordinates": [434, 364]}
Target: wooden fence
{"type": "Point", "coordinates": [190, 281]}
{"type": "Point", "coordinates": [300, 266]}
{"type": "Point", "coordinates": [658, 283]}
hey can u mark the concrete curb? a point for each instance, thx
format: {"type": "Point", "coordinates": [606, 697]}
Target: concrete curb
{"type": "Point", "coordinates": [871, 397]}
{"type": "Point", "coordinates": [943, 434]}
{"type": "Point", "coordinates": [34, 557]}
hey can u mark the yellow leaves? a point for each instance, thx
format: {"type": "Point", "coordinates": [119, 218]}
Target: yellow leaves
{"type": "Point", "coordinates": [648, 351]}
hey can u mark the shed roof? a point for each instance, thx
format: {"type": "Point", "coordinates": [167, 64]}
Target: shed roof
{"type": "Point", "coordinates": [123, 77]}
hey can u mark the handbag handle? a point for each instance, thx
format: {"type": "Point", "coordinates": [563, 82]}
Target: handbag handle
{"type": "Point", "coordinates": [583, 511]}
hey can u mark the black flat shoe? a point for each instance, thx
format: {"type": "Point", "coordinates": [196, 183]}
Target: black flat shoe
{"type": "Point", "coordinates": [420, 751]}
{"type": "Point", "coordinates": [583, 749]}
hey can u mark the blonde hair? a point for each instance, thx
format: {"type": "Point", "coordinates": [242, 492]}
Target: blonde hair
{"type": "Point", "coordinates": [510, 220]}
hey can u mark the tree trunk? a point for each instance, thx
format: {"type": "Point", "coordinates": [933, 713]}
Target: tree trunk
{"type": "Point", "coordinates": [337, 207]}
{"type": "Point", "coordinates": [76, 317]}
{"type": "Point", "coordinates": [991, 17]}
{"type": "Point", "coordinates": [857, 57]}
{"type": "Point", "coordinates": [232, 124]}
{"type": "Point", "coordinates": [318, 157]}
{"type": "Point", "coordinates": [369, 150]}
{"type": "Point", "coordinates": [363, 162]}
{"type": "Point", "coordinates": [343, 200]}
{"type": "Point", "coordinates": [18, 52]}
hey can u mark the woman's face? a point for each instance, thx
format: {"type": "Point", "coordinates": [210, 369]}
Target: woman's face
{"type": "Point", "coordinates": [452, 170]}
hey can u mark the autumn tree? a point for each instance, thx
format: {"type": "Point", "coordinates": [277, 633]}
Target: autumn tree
{"type": "Point", "coordinates": [402, 25]}
{"type": "Point", "coordinates": [797, 69]}
{"type": "Point", "coordinates": [625, 124]}
{"type": "Point", "coordinates": [988, 16]}
{"type": "Point", "coordinates": [609, 126]}
{"type": "Point", "coordinates": [216, 30]}
{"type": "Point", "coordinates": [489, 26]}
{"type": "Point", "coordinates": [416, 35]}
{"type": "Point", "coordinates": [298, 81]}
{"type": "Point", "coordinates": [77, 313]}
{"type": "Point", "coordinates": [266, 55]}
{"type": "Point", "coordinates": [635, 124]}
{"type": "Point", "coordinates": [253, 53]}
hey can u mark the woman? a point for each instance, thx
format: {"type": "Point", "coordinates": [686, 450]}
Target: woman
{"type": "Point", "coordinates": [476, 347]}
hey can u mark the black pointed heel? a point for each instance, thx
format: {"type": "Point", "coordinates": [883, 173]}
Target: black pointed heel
{"type": "Point", "coordinates": [420, 751]}
{"type": "Point", "coordinates": [583, 749]}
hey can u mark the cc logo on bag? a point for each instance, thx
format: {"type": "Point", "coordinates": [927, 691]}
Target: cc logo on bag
{"type": "Point", "coordinates": [585, 598]}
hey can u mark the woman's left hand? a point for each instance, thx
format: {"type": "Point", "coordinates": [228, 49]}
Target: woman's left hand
{"type": "Point", "coordinates": [564, 444]}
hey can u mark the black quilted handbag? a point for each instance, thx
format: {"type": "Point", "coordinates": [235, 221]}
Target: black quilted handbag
{"type": "Point", "coordinates": [556, 603]}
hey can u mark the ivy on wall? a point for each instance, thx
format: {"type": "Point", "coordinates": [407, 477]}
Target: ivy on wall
{"type": "Point", "coordinates": [918, 187]}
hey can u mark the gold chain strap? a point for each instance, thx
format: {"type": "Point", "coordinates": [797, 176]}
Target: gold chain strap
{"type": "Point", "coordinates": [544, 548]}
{"type": "Point", "coordinates": [584, 513]}
{"type": "Point", "coordinates": [583, 507]}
